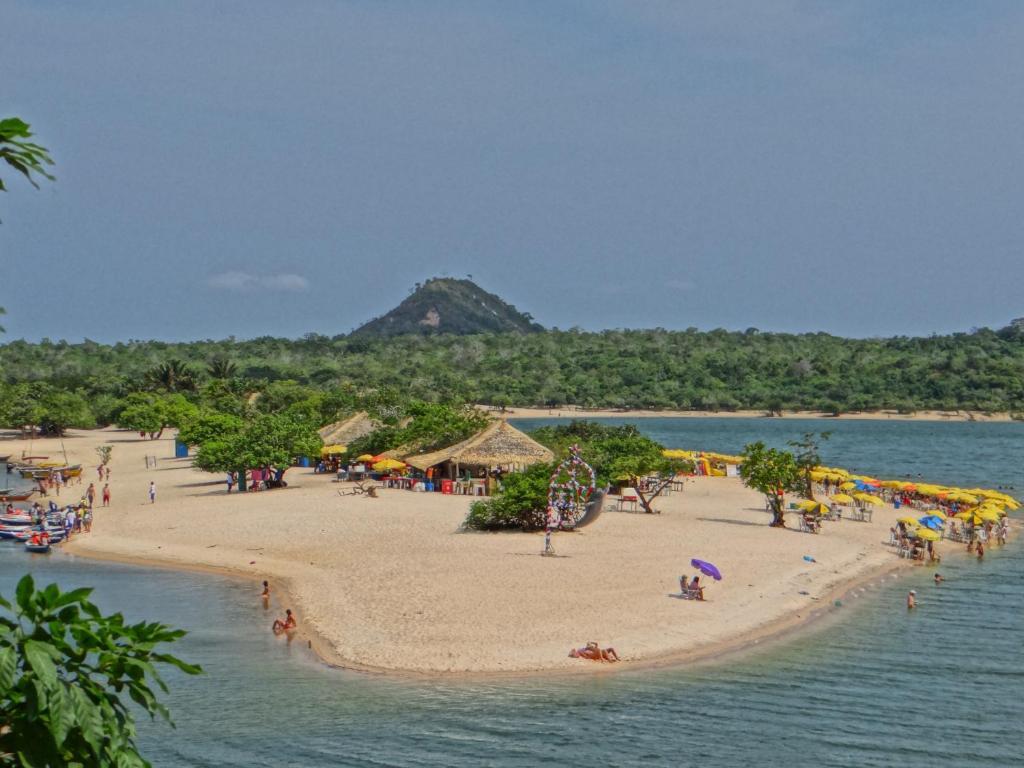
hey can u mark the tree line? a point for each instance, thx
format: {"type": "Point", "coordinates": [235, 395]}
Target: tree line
{"type": "Point", "coordinates": [84, 384]}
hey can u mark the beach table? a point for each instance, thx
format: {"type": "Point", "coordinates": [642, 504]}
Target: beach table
{"type": "Point", "coordinates": [630, 501]}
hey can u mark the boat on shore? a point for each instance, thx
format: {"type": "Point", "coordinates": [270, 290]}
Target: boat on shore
{"type": "Point", "coordinates": [37, 472]}
{"type": "Point", "coordinates": [8, 495]}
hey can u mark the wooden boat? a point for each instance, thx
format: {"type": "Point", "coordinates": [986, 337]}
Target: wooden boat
{"type": "Point", "coordinates": [7, 495]}
{"type": "Point", "coordinates": [40, 549]}
{"type": "Point", "coordinates": [41, 473]}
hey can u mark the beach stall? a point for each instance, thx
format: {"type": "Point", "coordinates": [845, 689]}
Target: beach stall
{"type": "Point", "coordinates": [339, 435]}
{"type": "Point", "coordinates": [472, 466]}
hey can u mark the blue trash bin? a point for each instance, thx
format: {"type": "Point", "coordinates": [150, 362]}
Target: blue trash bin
{"type": "Point", "coordinates": [180, 450]}
{"type": "Point", "coordinates": [304, 461]}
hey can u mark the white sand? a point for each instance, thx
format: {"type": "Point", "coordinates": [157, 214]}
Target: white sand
{"type": "Point", "coordinates": [391, 583]}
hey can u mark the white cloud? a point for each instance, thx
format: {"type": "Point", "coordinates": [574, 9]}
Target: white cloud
{"type": "Point", "coordinates": [246, 282]}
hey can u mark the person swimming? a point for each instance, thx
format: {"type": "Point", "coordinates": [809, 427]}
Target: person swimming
{"type": "Point", "coordinates": [911, 600]}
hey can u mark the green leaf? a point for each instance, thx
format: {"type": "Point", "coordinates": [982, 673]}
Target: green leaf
{"type": "Point", "coordinates": [40, 658]}
{"type": "Point", "coordinates": [24, 591]}
{"type": "Point", "coordinates": [8, 667]}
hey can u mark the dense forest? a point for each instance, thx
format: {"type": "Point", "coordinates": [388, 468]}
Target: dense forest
{"type": "Point", "coordinates": [714, 370]}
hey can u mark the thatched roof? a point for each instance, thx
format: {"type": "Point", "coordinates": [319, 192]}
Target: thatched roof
{"type": "Point", "coordinates": [345, 431]}
{"type": "Point", "coordinates": [498, 443]}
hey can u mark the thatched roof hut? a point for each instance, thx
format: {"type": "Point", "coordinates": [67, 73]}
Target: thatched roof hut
{"type": "Point", "coordinates": [497, 444]}
{"type": "Point", "coordinates": [345, 431]}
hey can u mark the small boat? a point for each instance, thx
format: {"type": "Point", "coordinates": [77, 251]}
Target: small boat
{"type": "Point", "coordinates": [16, 519]}
{"type": "Point", "coordinates": [41, 473]}
{"type": "Point", "coordinates": [8, 495]}
{"type": "Point", "coordinates": [39, 549]}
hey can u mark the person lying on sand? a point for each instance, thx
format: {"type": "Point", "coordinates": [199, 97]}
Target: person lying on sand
{"type": "Point", "coordinates": [287, 625]}
{"type": "Point", "coordinates": [593, 652]}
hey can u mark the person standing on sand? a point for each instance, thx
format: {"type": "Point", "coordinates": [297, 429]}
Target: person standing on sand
{"type": "Point", "coordinates": [911, 600]}
{"type": "Point", "coordinates": [90, 494]}
{"type": "Point", "coordinates": [231, 483]}
{"type": "Point", "coordinates": [152, 492]}
{"type": "Point", "coordinates": [108, 473]}
{"type": "Point", "coordinates": [106, 495]}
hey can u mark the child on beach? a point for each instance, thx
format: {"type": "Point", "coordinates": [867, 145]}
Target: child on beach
{"type": "Point", "coordinates": [152, 492]}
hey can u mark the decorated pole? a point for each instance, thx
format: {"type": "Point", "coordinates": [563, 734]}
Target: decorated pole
{"type": "Point", "coordinates": [570, 488]}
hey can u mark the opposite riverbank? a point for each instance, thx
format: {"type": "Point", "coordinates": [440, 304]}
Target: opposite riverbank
{"type": "Point", "coordinates": [391, 584]}
{"type": "Point", "coordinates": [574, 412]}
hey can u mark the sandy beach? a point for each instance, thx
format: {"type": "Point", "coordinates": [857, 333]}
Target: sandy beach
{"type": "Point", "coordinates": [605, 413]}
{"type": "Point", "coordinates": [391, 583]}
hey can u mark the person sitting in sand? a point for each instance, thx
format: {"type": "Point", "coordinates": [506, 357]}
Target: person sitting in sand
{"type": "Point", "coordinates": [287, 625]}
{"type": "Point", "coordinates": [696, 589]}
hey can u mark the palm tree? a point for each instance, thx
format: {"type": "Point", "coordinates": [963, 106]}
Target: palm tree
{"type": "Point", "coordinates": [172, 376]}
{"type": "Point", "coordinates": [221, 368]}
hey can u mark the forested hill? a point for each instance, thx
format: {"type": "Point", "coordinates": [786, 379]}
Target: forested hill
{"type": "Point", "coordinates": [715, 370]}
{"type": "Point", "coordinates": [446, 305]}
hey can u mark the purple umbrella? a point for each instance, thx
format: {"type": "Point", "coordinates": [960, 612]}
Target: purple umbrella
{"type": "Point", "coordinates": [706, 568]}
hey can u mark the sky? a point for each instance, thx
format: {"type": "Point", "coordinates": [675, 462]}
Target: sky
{"type": "Point", "coordinates": [250, 168]}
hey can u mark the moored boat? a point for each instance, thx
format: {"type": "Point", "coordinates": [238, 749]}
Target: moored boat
{"type": "Point", "coordinates": [39, 549]}
{"type": "Point", "coordinates": [8, 495]}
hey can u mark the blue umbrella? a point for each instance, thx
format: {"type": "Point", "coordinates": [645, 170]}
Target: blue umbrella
{"type": "Point", "coordinates": [707, 569]}
{"type": "Point", "coordinates": [931, 521]}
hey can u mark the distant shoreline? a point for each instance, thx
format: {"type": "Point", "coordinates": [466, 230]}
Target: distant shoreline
{"type": "Point", "coordinates": [570, 412]}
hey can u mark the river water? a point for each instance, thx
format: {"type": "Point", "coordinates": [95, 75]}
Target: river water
{"type": "Point", "coordinates": [873, 685]}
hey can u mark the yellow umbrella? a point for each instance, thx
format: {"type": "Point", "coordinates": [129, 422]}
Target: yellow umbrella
{"type": "Point", "coordinates": [814, 507]}
{"type": "Point", "coordinates": [847, 486]}
{"type": "Point", "coordinates": [927, 534]}
{"type": "Point", "coordinates": [389, 464]}
{"type": "Point", "coordinates": [989, 515]}
{"type": "Point", "coordinates": [892, 483]}
{"type": "Point", "coordinates": [842, 498]}
{"type": "Point", "coordinates": [962, 496]}
{"type": "Point", "coordinates": [937, 513]}
{"type": "Point", "coordinates": [364, 457]}
{"type": "Point", "coordinates": [867, 498]}
{"type": "Point", "coordinates": [910, 521]}
{"type": "Point", "coordinates": [332, 450]}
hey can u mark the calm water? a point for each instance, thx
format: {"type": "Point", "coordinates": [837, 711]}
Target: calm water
{"type": "Point", "coordinates": [873, 687]}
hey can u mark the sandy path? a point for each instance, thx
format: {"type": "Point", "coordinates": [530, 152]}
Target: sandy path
{"type": "Point", "coordinates": [390, 583]}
